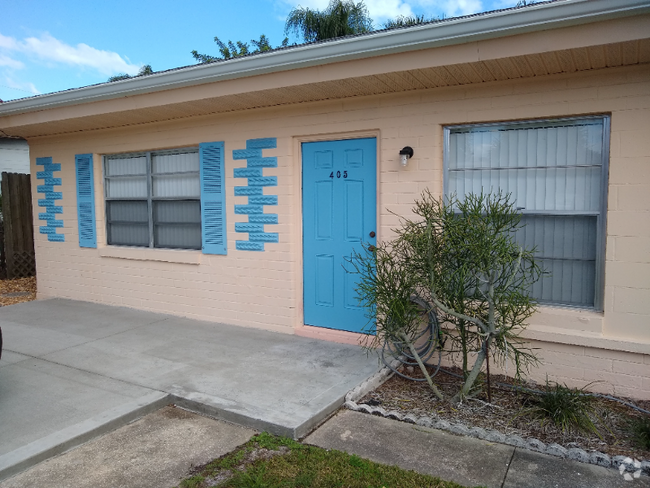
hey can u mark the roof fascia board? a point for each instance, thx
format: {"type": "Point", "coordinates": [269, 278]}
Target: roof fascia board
{"type": "Point", "coordinates": [453, 32]}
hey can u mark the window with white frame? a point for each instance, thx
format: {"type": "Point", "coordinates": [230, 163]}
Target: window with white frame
{"type": "Point", "coordinates": [556, 172]}
{"type": "Point", "coordinates": [153, 199]}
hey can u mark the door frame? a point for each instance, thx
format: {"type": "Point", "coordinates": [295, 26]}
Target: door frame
{"type": "Point", "coordinates": [297, 224]}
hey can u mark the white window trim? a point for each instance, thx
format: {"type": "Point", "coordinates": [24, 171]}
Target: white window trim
{"type": "Point", "coordinates": [180, 256]}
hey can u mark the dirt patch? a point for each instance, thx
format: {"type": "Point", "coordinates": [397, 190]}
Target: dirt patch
{"type": "Point", "coordinates": [505, 413]}
{"type": "Point", "coordinates": [17, 291]}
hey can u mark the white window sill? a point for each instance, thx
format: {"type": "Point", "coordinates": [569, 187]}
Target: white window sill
{"type": "Point", "coordinates": [148, 254]}
{"type": "Point", "coordinates": [578, 327]}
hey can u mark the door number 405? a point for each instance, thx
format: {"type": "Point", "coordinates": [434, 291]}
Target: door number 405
{"type": "Point", "coordinates": [338, 174]}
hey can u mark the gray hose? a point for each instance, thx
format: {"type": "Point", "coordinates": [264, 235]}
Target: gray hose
{"type": "Point", "coordinates": [432, 336]}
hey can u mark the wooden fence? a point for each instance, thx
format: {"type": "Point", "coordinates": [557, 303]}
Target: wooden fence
{"type": "Point", "coordinates": [18, 226]}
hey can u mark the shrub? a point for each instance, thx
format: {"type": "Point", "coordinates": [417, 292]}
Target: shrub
{"type": "Point", "coordinates": [639, 428]}
{"type": "Point", "coordinates": [567, 408]}
{"type": "Point", "coordinates": [460, 259]}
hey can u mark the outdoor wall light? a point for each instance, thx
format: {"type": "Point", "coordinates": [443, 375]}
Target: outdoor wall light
{"type": "Point", "coordinates": [404, 155]}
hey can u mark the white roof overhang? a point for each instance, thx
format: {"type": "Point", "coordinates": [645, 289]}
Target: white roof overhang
{"type": "Point", "coordinates": [542, 39]}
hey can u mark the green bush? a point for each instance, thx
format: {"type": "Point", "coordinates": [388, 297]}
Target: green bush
{"type": "Point", "coordinates": [639, 429]}
{"type": "Point", "coordinates": [462, 260]}
{"type": "Point", "coordinates": [568, 408]}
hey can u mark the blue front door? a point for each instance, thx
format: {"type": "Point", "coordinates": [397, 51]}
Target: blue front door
{"type": "Point", "coordinates": [339, 195]}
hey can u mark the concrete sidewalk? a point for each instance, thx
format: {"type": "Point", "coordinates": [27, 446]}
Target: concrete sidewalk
{"type": "Point", "coordinates": [465, 460]}
{"type": "Point", "coordinates": [73, 370]}
{"type": "Point", "coordinates": [159, 450]}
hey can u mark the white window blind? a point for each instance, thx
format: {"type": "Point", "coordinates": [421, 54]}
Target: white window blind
{"type": "Point", "coordinates": [556, 174]}
{"type": "Point", "coordinates": [153, 199]}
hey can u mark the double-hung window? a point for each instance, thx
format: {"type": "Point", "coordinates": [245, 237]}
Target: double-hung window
{"type": "Point", "coordinates": [556, 172]}
{"type": "Point", "coordinates": [153, 199]}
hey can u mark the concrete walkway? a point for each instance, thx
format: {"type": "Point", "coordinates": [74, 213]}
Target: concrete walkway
{"type": "Point", "coordinates": [73, 370]}
{"type": "Point", "coordinates": [465, 460]}
{"type": "Point", "coordinates": [157, 451]}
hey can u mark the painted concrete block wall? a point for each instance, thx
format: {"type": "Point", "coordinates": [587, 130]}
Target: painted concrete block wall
{"type": "Point", "coordinates": [219, 288]}
{"type": "Point", "coordinates": [264, 289]}
{"type": "Point", "coordinates": [611, 372]}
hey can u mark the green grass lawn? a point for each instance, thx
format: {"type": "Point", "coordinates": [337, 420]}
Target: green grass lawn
{"type": "Point", "coordinates": [267, 461]}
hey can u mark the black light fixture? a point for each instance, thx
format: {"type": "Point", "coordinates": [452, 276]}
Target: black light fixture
{"type": "Point", "coordinates": [404, 155]}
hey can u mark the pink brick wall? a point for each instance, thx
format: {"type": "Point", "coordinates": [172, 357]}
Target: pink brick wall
{"type": "Point", "coordinates": [265, 289]}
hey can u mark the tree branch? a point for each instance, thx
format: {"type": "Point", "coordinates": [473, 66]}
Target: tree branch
{"type": "Point", "coordinates": [458, 315]}
{"type": "Point", "coordinates": [422, 367]}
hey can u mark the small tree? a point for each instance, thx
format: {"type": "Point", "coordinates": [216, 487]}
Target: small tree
{"type": "Point", "coordinates": [407, 21]}
{"type": "Point", "coordinates": [237, 49]}
{"type": "Point", "coordinates": [461, 259]}
{"type": "Point", "coordinates": [340, 18]}
{"type": "Point", "coordinates": [144, 71]}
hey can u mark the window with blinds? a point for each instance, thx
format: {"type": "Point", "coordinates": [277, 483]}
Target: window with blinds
{"type": "Point", "coordinates": [556, 173]}
{"type": "Point", "coordinates": [153, 199]}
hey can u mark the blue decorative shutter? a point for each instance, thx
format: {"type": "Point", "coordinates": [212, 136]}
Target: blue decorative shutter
{"type": "Point", "coordinates": [85, 200]}
{"type": "Point", "coordinates": [213, 198]}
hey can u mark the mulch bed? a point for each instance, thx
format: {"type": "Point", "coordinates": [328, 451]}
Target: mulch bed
{"type": "Point", "coordinates": [504, 413]}
{"type": "Point", "coordinates": [17, 291]}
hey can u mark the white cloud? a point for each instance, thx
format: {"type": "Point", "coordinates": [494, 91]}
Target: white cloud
{"type": "Point", "coordinates": [381, 10]}
{"type": "Point", "coordinates": [10, 62]}
{"type": "Point", "coordinates": [462, 7]}
{"type": "Point", "coordinates": [7, 42]}
{"type": "Point", "coordinates": [24, 87]}
{"type": "Point", "coordinates": [106, 62]}
{"type": "Point", "coordinates": [32, 88]}
{"type": "Point", "coordinates": [451, 8]}
{"type": "Point", "coordinates": [51, 50]}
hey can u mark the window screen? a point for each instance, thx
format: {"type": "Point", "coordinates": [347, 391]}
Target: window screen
{"type": "Point", "coordinates": [556, 174]}
{"type": "Point", "coordinates": [153, 199]}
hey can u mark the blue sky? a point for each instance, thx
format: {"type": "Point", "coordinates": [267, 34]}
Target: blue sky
{"type": "Point", "coordinates": [53, 45]}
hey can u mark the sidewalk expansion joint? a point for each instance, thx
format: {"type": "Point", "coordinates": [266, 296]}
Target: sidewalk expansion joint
{"type": "Point", "coordinates": [505, 476]}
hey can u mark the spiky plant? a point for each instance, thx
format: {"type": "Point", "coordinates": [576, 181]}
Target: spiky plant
{"type": "Point", "coordinates": [569, 409]}
{"type": "Point", "coordinates": [639, 429]}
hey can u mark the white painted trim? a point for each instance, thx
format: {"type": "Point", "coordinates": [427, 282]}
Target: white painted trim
{"type": "Point", "coordinates": [148, 254]}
